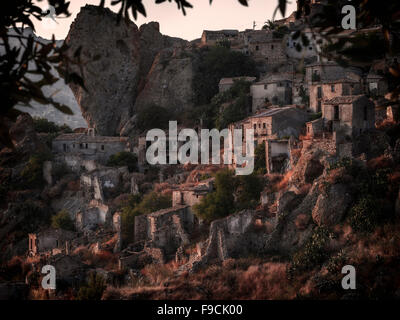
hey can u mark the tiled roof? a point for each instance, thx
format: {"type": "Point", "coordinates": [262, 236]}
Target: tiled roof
{"type": "Point", "coordinates": [344, 99]}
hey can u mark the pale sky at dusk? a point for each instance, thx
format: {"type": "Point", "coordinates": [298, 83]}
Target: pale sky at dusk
{"type": "Point", "coordinates": [222, 14]}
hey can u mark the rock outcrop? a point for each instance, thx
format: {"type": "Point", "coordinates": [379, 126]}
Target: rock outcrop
{"type": "Point", "coordinates": [24, 137]}
{"type": "Point", "coordinates": [123, 69]}
{"type": "Point", "coordinates": [111, 60]}
{"type": "Point", "coordinates": [331, 207]}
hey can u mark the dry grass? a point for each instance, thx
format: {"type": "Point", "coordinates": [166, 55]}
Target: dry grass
{"type": "Point", "coordinates": [380, 162]}
{"type": "Point", "coordinates": [157, 273]}
{"type": "Point", "coordinates": [284, 182]}
{"type": "Point", "coordinates": [338, 175]}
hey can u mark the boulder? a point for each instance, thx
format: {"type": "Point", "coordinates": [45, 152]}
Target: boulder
{"type": "Point", "coordinates": [332, 206]}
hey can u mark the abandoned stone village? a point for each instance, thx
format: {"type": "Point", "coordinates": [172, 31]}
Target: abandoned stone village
{"type": "Point", "coordinates": [305, 119]}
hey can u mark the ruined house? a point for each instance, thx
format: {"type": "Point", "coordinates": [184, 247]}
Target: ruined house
{"type": "Point", "coordinates": [213, 37]}
{"type": "Point", "coordinates": [226, 83]}
{"type": "Point", "coordinates": [51, 241]}
{"type": "Point", "coordinates": [95, 185]}
{"type": "Point", "coordinates": [88, 146]}
{"type": "Point", "coordinates": [277, 155]}
{"type": "Point", "coordinates": [347, 115]}
{"type": "Point", "coordinates": [275, 89]}
{"type": "Point", "coordinates": [376, 85]}
{"type": "Point", "coordinates": [274, 123]}
{"type": "Point", "coordinates": [191, 195]}
{"type": "Point", "coordinates": [161, 233]}
{"type": "Point", "coordinates": [329, 89]}
{"type": "Point", "coordinates": [264, 47]}
{"type": "Point", "coordinates": [329, 70]}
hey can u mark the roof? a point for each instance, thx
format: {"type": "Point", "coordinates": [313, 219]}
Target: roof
{"type": "Point", "coordinates": [322, 63]}
{"type": "Point", "coordinates": [274, 78]}
{"type": "Point", "coordinates": [232, 80]}
{"type": "Point", "coordinates": [273, 112]}
{"type": "Point", "coordinates": [261, 36]}
{"type": "Point", "coordinates": [166, 211]}
{"type": "Point", "coordinates": [344, 99]}
{"type": "Point", "coordinates": [84, 138]}
{"type": "Point", "coordinates": [340, 80]}
{"type": "Point", "coordinates": [373, 75]}
{"type": "Point", "coordinates": [225, 31]}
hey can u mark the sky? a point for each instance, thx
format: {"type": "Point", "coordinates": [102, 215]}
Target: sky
{"type": "Point", "coordinates": [221, 14]}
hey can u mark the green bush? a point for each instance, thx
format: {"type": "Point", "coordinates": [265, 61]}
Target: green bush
{"type": "Point", "coordinates": [153, 116]}
{"type": "Point", "coordinates": [215, 63]}
{"type": "Point", "coordinates": [43, 125]}
{"type": "Point", "coordinates": [136, 206]}
{"type": "Point", "coordinates": [219, 203]}
{"type": "Point", "coordinates": [313, 253]}
{"type": "Point", "coordinates": [234, 112]}
{"type": "Point", "coordinates": [260, 162]}
{"type": "Point", "coordinates": [32, 174]}
{"type": "Point", "coordinates": [60, 170]}
{"type": "Point", "coordinates": [94, 289]}
{"type": "Point", "coordinates": [315, 116]}
{"type": "Point", "coordinates": [366, 214]}
{"type": "Point", "coordinates": [248, 190]}
{"type": "Point", "coordinates": [123, 158]}
{"type": "Point", "coordinates": [32, 214]}
{"type": "Point", "coordinates": [62, 220]}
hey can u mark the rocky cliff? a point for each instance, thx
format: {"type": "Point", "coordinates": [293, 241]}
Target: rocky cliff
{"type": "Point", "coordinates": [125, 68]}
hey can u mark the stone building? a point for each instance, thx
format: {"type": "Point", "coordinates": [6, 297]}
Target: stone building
{"type": "Point", "coordinates": [376, 85]}
{"type": "Point", "coordinates": [329, 89]}
{"type": "Point", "coordinates": [264, 47]}
{"type": "Point", "coordinates": [277, 155]}
{"type": "Point", "coordinates": [274, 123]}
{"type": "Point", "coordinates": [166, 229]}
{"type": "Point", "coordinates": [329, 70]}
{"type": "Point", "coordinates": [191, 195]}
{"type": "Point", "coordinates": [51, 241]}
{"type": "Point", "coordinates": [88, 146]}
{"type": "Point", "coordinates": [226, 83]}
{"type": "Point", "coordinates": [275, 89]}
{"type": "Point", "coordinates": [213, 37]}
{"type": "Point", "coordinates": [347, 116]}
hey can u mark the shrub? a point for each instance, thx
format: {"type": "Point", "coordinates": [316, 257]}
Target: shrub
{"type": "Point", "coordinates": [313, 253]}
{"type": "Point", "coordinates": [32, 216]}
{"type": "Point", "coordinates": [365, 215]}
{"type": "Point", "coordinates": [94, 289]}
{"type": "Point", "coordinates": [219, 203]}
{"type": "Point", "coordinates": [153, 116]}
{"type": "Point", "coordinates": [43, 125]}
{"type": "Point", "coordinates": [260, 159]}
{"type": "Point", "coordinates": [315, 116]}
{"type": "Point", "coordinates": [60, 170]}
{"type": "Point", "coordinates": [123, 158]}
{"type": "Point", "coordinates": [136, 206]}
{"type": "Point", "coordinates": [216, 63]}
{"type": "Point", "coordinates": [248, 190]}
{"type": "Point", "coordinates": [235, 111]}
{"type": "Point", "coordinates": [62, 220]}
{"type": "Point", "coordinates": [32, 174]}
